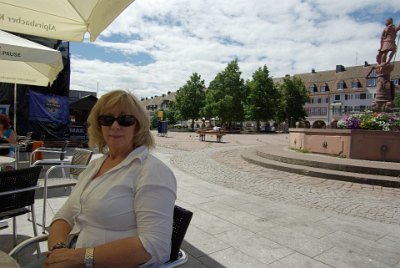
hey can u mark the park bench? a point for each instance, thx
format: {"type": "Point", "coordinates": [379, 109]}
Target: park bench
{"type": "Point", "coordinates": [203, 132]}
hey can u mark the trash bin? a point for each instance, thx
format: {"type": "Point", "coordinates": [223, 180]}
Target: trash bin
{"type": "Point", "coordinates": [162, 128]}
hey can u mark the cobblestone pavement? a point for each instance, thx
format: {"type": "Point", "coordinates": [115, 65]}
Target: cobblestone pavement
{"type": "Point", "coordinates": [222, 164]}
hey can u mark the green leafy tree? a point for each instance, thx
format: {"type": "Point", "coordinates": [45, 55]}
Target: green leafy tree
{"type": "Point", "coordinates": [225, 95]}
{"type": "Point", "coordinates": [263, 97]}
{"type": "Point", "coordinates": [169, 114]}
{"type": "Point", "coordinates": [190, 98]}
{"type": "Point", "coordinates": [154, 121]}
{"type": "Point", "coordinates": [294, 96]}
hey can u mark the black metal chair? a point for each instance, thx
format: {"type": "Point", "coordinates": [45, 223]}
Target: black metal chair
{"type": "Point", "coordinates": [17, 192]}
{"type": "Point", "coordinates": [182, 218]}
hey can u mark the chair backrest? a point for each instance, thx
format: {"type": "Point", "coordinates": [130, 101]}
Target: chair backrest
{"type": "Point", "coordinates": [15, 180]}
{"type": "Point", "coordinates": [63, 148]}
{"type": "Point", "coordinates": [80, 157]}
{"type": "Point", "coordinates": [28, 135]}
{"type": "Point", "coordinates": [182, 218]}
{"type": "Point", "coordinates": [25, 138]}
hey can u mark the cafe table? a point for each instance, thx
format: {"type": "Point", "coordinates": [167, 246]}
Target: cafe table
{"type": "Point", "coordinates": [8, 146]}
{"type": "Point", "coordinates": [6, 261]}
{"type": "Point", "coordinates": [5, 160]}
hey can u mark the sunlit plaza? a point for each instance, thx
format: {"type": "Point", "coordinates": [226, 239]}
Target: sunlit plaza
{"type": "Point", "coordinates": [246, 215]}
{"type": "Point", "coordinates": [199, 134]}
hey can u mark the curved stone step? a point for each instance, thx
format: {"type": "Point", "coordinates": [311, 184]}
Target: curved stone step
{"type": "Point", "coordinates": [386, 181]}
{"type": "Point", "coordinates": [328, 162]}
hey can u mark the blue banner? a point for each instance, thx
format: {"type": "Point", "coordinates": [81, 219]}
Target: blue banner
{"type": "Point", "coordinates": [48, 108]}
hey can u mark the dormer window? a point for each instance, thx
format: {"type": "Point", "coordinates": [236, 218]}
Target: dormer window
{"type": "Point", "coordinates": [313, 88]}
{"type": "Point", "coordinates": [324, 87]}
{"type": "Point", "coordinates": [355, 84]}
{"type": "Point", "coordinates": [341, 85]}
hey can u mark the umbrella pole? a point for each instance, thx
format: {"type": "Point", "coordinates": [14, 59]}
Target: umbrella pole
{"type": "Point", "coordinates": [15, 108]}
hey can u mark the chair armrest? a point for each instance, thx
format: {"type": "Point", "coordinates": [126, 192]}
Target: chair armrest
{"type": "Point", "coordinates": [63, 166]}
{"type": "Point", "coordinates": [20, 190]}
{"type": "Point", "coordinates": [45, 150]}
{"type": "Point", "coordinates": [51, 162]}
{"type": "Point", "coordinates": [182, 258]}
{"type": "Point", "coordinates": [27, 243]}
{"type": "Point", "coordinates": [48, 150]}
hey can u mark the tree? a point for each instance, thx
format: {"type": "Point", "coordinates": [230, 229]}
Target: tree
{"type": "Point", "coordinates": [154, 121]}
{"type": "Point", "coordinates": [169, 114]}
{"type": "Point", "coordinates": [225, 95]}
{"type": "Point", "coordinates": [190, 98]}
{"type": "Point", "coordinates": [294, 96]}
{"type": "Point", "coordinates": [263, 97]}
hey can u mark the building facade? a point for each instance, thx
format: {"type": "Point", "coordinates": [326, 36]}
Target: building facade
{"type": "Point", "coordinates": [344, 90]}
{"type": "Point", "coordinates": [153, 104]}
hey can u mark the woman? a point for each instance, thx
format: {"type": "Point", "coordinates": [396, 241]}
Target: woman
{"type": "Point", "coordinates": [122, 206]}
{"type": "Point", "coordinates": [7, 135]}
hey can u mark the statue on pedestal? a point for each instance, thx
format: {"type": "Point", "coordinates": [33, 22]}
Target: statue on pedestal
{"type": "Point", "coordinates": [383, 101]}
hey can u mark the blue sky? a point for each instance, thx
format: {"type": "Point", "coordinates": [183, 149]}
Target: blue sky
{"type": "Point", "coordinates": [154, 46]}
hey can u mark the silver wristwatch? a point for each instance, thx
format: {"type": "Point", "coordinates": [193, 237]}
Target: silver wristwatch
{"type": "Point", "coordinates": [89, 258]}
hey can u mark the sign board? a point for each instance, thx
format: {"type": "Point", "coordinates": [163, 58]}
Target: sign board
{"type": "Point", "coordinates": [77, 131]}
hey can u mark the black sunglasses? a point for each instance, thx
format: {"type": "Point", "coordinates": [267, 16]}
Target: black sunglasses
{"type": "Point", "coordinates": [123, 120]}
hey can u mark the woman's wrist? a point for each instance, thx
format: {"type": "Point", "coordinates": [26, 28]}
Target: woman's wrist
{"type": "Point", "coordinates": [58, 245]}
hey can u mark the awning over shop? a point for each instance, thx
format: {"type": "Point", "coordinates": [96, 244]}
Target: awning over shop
{"type": "Point", "coordinates": [336, 104]}
{"type": "Point", "coordinates": [84, 104]}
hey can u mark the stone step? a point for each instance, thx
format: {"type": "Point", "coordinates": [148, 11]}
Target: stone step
{"type": "Point", "coordinates": [381, 180]}
{"type": "Point", "coordinates": [288, 156]}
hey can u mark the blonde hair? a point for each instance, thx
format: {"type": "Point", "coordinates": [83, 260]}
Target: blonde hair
{"type": "Point", "coordinates": [127, 103]}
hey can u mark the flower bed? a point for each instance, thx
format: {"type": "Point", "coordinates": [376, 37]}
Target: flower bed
{"type": "Point", "coordinates": [370, 121]}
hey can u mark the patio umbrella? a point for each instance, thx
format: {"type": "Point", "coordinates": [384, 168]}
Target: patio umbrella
{"type": "Point", "coordinates": [26, 62]}
{"type": "Point", "coordinates": [60, 19]}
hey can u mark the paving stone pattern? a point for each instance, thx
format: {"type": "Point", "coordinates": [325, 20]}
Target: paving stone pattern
{"type": "Point", "coordinates": [228, 169]}
{"type": "Point", "coordinates": [221, 163]}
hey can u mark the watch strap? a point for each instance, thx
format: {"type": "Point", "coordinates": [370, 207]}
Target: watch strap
{"type": "Point", "coordinates": [89, 258]}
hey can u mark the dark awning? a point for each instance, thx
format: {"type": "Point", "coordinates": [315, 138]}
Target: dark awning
{"type": "Point", "coordinates": [84, 104]}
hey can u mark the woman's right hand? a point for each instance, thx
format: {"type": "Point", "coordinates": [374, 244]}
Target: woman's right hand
{"type": "Point", "coordinates": [65, 258]}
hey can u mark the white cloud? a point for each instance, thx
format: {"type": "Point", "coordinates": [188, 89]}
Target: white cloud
{"type": "Point", "coordinates": [185, 36]}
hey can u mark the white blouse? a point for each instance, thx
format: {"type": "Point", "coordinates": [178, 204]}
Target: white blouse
{"type": "Point", "coordinates": [135, 198]}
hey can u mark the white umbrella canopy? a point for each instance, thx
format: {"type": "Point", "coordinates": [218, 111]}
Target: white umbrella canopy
{"type": "Point", "coordinates": [67, 20]}
{"type": "Point", "coordinates": [26, 62]}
